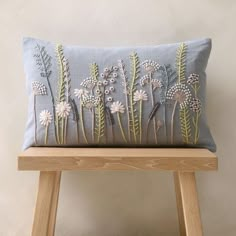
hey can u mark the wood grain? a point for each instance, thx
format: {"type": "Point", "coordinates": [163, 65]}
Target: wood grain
{"type": "Point", "coordinates": [46, 206]}
{"type": "Point", "coordinates": [57, 159]}
{"type": "Point", "coordinates": [187, 204]}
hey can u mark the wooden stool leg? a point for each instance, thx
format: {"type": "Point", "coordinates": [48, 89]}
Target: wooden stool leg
{"type": "Point", "coordinates": [187, 204]}
{"type": "Point", "coordinates": [47, 201]}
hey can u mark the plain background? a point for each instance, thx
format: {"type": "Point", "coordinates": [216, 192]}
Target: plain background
{"type": "Point", "coordinates": [118, 203]}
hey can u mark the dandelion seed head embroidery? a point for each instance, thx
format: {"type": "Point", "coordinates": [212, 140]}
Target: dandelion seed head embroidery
{"type": "Point", "coordinates": [90, 101]}
{"type": "Point", "coordinates": [179, 93]}
{"type": "Point", "coordinates": [144, 80]}
{"type": "Point", "coordinates": [88, 83]}
{"type": "Point", "coordinates": [150, 66]}
{"type": "Point", "coordinates": [156, 84]}
{"type": "Point", "coordinates": [39, 88]}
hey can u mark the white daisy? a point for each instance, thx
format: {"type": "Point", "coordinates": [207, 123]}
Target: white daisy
{"type": "Point", "coordinates": [63, 109]}
{"type": "Point", "coordinates": [117, 107]}
{"type": "Point", "coordinates": [45, 117]}
{"type": "Point", "coordinates": [79, 92]}
{"type": "Point", "coordinates": [140, 95]}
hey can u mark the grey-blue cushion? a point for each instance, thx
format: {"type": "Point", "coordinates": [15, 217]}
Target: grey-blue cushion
{"type": "Point", "coordinates": [121, 96]}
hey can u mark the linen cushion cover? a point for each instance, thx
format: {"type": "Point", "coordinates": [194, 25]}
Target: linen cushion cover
{"type": "Point", "coordinates": [121, 96]}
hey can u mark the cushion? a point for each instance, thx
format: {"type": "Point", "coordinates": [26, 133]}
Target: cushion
{"type": "Point", "coordinates": [150, 96]}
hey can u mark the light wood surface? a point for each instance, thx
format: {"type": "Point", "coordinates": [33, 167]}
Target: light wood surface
{"type": "Point", "coordinates": [46, 206]}
{"type": "Point", "coordinates": [57, 159]}
{"type": "Point", "coordinates": [187, 204]}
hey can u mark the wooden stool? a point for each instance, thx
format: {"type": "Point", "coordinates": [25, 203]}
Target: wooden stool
{"type": "Point", "coordinates": [51, 161]}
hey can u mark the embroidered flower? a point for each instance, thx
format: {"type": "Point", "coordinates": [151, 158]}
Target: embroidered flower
{"type": "Point", "coordinates": [112, 89]}
{"type": "Point", "coordinates": [144, 80]}
{"type": "Point", "coordinates": [106, 91]}
{"type": "Point", "coordinates": [150, 66]}
{"type": "Point", "coordinates": [195, 105]}
{"type": "Point", "coordinates": [79, 92]}
{"type": "Point", "coordinates": [63, 109]}
{"type": "Point", "coordinates": [45, 117]}
{"type": "Point", "coordinates": [115, 68]}
{"type": "Point", "coordinates": [156, 83]}
{"type": "Point", "coordinates": [117, 107]}
{"type": "Point", "coordinates": [140, 95]}
{"type": "Point", "coordinates": [180, 93]}
{"type": "Point", "coordinates": [102, 75]}
{"type": "Point", "coordinates": [110, 99]}
{"type": "Point", "coordinates": [193, 79]}
{"type": "Point", "coordinates": [88, 83]}
{"type": "Point", "coordinates": [115, 75]}
{"type": "Point", "coordinates": [106, 70]}
{"type": "Point", "coordinates": [99, 83]}
{"type": "Point", "coordinates": [90, 101]}
{"type": "Point", "coordinates": [105, 82]}
{"type": "Point", "coordinates": [112, 80]}
{"type": "Point", "coordinates": [39, 88]}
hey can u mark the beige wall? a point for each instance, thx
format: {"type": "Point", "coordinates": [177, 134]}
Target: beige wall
{"type": "Point", "coordinates": [112, 203]}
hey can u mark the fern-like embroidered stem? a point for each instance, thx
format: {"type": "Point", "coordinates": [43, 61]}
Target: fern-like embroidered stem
{"type": "Point", "coordinates": [153, 102]}
{"type": "Point", "coordinates": [172, 123]}
{"type": "Point", "coordinates": [35, 121]}
{"type": "Point", "coordinates": [134, 76]}
{"type": "Point", "coordinates": [121, 127]}
{"type": "Point", "coordinates": [183, 112]}
{"type": "Point", "coordinates": [82, 123]}
{"type": "Point", "coordinates": [180, 62]}
{"type": "Point", "coordinates": [125, 85]}
{"type": "Point", "coordinates": [93, 124]}
{"type": "Point", "coordinates": [46, 135]}
{"type": "Point", "coordinates": [140, 121]}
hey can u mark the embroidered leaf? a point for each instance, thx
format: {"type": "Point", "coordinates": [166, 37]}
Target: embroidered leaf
{"type": "Point", "coordinates": [180, 62]}
{"type": "Point", "coordinates": [94, 72]}
{"type": "Point", "coordinates": [109, 116]}
{"type": "Point", "coordinates": [183, 112]}
{"type": "Point", "coordinates": [100, 121]}
{"type": "Point", "coordinates": [154, 110]}
{"type": "Point", "coordinates": [74, 110]}
{"type": "Point", "coordinates": [185, 124]}
{"type": "Point", "coordinates": [135, 71]}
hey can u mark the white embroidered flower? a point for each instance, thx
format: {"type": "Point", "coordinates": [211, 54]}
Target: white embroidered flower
{"type": "Point", "coordinates": [144, 80]}
{"type": "Point", "coordinates": [39, 88]}
{"type": "Point", "coordinates": [140, 95]}
{"type": "Point", "coordinates": [109, 99]}
{"type": "Point", "coordinates": [79, 92]}
{"type": "Point", "coordinates": [45, 117]}
{"type": "Point", "coordinates": [117, 107]}
{"type": "Point", "coordinates": [63, 109]}
{"type": "Point", "coordinates": [107, 91]}
{"type": "Point", "coordinates": [88, 83]}
{"type": "Point", "coordinates": [180, 93]}
{"type": "Point", "coordinates": [156, 83]}
{"type": "Point", "coordinates": [115, 68]}
{"type": "Point", "coordinates": [150, 66]}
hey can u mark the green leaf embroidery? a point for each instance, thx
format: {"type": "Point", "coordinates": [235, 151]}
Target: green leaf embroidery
{"type": "Point", "coordinates": [135, 71]}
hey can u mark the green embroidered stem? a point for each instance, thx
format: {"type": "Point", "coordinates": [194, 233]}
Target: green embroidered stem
{"type": "Point", "coordinates": [57, 130]}
{"type": "Point", "coordinates": [82, 123]}
{"type": "Point", "coordinates": [65, 131]}
{"type": "Point", "coordinates": [46, 135]}
{"type": "Point", "coordinates": [121, 127]}
{"type": "Point", "coordinates": [172, 123]}
{"type": "Point", "coordinates": [140, 121]}
{"type": "Point", "coordinates": [35, 121]}
{"type": "Point", "coordinates": [153, 102]}
{"type": "Point", "coordinates": [185, 125]}
{"type": "Point", "coordinates": [184, 112]}
{"type": "Point", "coordinates": [100, 121]}
{"type": "Point", "coordinates": [134, 77]}
{"type": "Point", "coordinates": [93, 125]}
{"type": "Point", "coordinates": [62, 130]}
{"type": "Point", "coordinates": [195, 124]}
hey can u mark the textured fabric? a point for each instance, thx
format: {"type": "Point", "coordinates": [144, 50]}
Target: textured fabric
{"type": "Point", "coordinates": [132, 96]}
